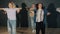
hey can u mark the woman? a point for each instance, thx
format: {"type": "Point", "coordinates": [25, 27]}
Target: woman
{"type": "Point", "coordinates": [32, 17]}
{"type": "Point", "coordinates": [39, 19]}
{"type": "Point", "coordinates": [11, 14]}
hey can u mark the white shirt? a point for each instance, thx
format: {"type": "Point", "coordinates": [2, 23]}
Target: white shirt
{"type": "Point", "coordinates": [11, 13]}
{"type": "Point", "coordinates": [39, 15]}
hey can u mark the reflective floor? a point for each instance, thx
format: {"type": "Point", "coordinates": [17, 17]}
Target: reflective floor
{"type": "Point", "coordinates": [3, 30]}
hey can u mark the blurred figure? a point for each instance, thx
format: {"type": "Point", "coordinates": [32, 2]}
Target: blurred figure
{"type": "Point", "coordinates": [24, 16]}
{"type": "Point", "coordinates": [18, 15]}
{"type": "Point", "coordinates": [40, 19]}
{"type": "Point", "coordinates": [11, 14]}
{"type": "Point", "coordinates": [58, 17]}
{"type": "Point", "coordinates": [52, 18]}
{"type": "Point", "coordinates": [32, 17]}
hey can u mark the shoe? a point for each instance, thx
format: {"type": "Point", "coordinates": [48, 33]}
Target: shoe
{"type": "Point", "coordinates": [33, 30]}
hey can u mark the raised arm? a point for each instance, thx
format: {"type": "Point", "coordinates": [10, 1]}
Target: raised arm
{"type": "Point", "coordinates": [31, 9]}
{"type": "Point", "coordinates": [58, 10]}
{"type": "Point", "coordinates": [18, 10]}
{"type": "Point", "coordinates": [48, 13]}
{"type": "Point", "coordinates": [1, 8]}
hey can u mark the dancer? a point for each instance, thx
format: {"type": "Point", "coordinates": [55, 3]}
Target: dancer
{"type": "Point", "coordinates": [39, 19]}
{"type": "Point", "coordinates": [24, 15]}
{"type": "Point", "coordinates": [32, 17]}
{"type": "Point", "coordinates": [11, 14]}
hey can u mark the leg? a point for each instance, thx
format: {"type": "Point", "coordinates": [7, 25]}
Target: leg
{"type": "Point", "coordinates": [9, 26]}
{"type": "Point", "coordinates": [29, 20]}
{"type": "Point", "coordinates": [32, 23]}
{"type": "Point", "coordinates": [13, 22]}
{"type": "Point", "coordinates": [35, 22]}
{"type": "Point", "coordinates": [37, 28]}
{"type": "Point", "coordinates": [43, 28]}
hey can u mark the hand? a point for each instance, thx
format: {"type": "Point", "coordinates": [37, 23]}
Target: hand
{"type": "Point", "coordinates": [48, 13]}
{"type": "Point", "coordinates": [58, 10]}
{"type": "Point", "coordinates": [31, 13]}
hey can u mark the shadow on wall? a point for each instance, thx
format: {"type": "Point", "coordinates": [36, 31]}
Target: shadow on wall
{"type": "Point", "coordinates": [52, 18]}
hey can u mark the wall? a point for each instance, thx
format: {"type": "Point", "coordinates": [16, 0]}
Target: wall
{"type": "Point", "coordinates": [3, 3]}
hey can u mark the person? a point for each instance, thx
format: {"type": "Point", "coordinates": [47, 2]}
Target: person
{"type": "Point", "coordinates": [18, 18]}
{"type": "Point", "coordinates": [40, 19]}
{"type": "Point", "coordinates": [24, 16]}
{"type": "Point", "coordinates": [11, 14]}
{"type": "Point", "coordinates": [32, 17]}
{"type": "Point", "coordinates": [52, 18]}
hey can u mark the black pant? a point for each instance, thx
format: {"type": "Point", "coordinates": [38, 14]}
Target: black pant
{"type": "Point", "coordinates": [40, 26]}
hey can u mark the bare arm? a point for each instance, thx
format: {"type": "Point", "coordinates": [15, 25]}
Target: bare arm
{"type": "Point", "coordinates": [31, 13]}
{"type": "Point", "coordinates": [31, 9]}
{"type": "Point", "coordinates": [48, 13]}
{"type": "Point", "coordinates": [1, 8]}
{"type": "Point", "coordinates": [18, 10]}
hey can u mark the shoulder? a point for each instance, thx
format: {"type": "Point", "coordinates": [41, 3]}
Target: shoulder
{"type": "Point", "coordinates": [5, 9]}
{"type": "Point", "coordinates": [15, 8]}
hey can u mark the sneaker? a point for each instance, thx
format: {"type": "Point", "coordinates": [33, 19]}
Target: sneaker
{"type": "Point", "coordinates": [33, 30]}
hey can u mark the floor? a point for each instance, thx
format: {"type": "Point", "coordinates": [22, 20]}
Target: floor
{"type": "Point", "coordinates": [3, 30]}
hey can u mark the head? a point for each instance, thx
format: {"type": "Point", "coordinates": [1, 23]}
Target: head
{"type": "Point", "coordinates": [33, 5]}
{"type": "Point", "coordinates": [11, 5]}
{"type": "Point", "coordinates": [23, 5]}
{"type": "Point", "coordinates": [39, 6]}
{"type": "Point", "coordinates": [17, 6]}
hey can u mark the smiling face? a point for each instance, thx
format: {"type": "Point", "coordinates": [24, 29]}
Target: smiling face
{"type": "Point", "coordinates": [33, 5]}
{"type": "Point", "coordinates": [40, 6]}
{"type": "Point", "coordinates": [10, 5]}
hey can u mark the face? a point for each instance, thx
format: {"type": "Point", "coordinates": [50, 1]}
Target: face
{"type": "Point", "coordinates": [39, 5]}
{"type": "Point", "coordinates": [33, 6]}
{"type": "Point", "coordinates": [10, 5]}
{"type": "Point", "coordinates": [14, 6]}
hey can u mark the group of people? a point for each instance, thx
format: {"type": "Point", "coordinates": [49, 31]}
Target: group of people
{"type": "Point", "coordinates": [37, 17]}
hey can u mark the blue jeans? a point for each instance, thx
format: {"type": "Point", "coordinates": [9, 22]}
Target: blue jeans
{"type": "Point", "coordinates": [11, 25]}
{"type": "Point", "coordinates": [32, 23]}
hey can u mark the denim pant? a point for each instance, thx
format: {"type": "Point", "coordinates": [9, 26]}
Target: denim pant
{"type": "Point", "coordinates": [11, 25]}
{"type": "Point", "coordinates": [32, 23]}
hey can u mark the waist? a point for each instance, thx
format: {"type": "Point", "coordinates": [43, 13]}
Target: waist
{"type": "Point", "coordinates": [40, 22]}
{"type": "Point", "coordinates": [11, 18]}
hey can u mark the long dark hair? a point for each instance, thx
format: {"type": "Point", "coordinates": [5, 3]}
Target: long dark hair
{"type": "Point", "coordinates": [38, 4]}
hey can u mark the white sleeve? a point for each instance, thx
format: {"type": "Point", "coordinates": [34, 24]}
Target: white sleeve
{"type": "Point", "coordinates": [5, 9]}
{"type": "Point", "coordinates": [58, 9]}
{"type": "Point", "coordinates": [42, 16]}
{"type": "Point", "coordinates": [16, 8]}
